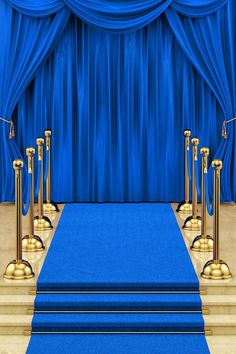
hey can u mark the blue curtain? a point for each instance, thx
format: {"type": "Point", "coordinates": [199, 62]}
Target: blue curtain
{"type": "Point", "coordinates": [25, 44]}
{"type": "Point", "coordinates": [209, 44]}
{"type": "Point", "coordinates": [118, 15]}
{"type": "Point", "coordinates": [117, 106]}
{"type": "Point", "coordinates": [126, 90]}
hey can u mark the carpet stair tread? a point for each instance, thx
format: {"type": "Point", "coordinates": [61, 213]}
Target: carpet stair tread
{"type": "Point", "coordinates": [117, 322]}
{"type": "Point", "coordinates": [116, 302]}
{"type": "Point", "coordinates": [118, 344]}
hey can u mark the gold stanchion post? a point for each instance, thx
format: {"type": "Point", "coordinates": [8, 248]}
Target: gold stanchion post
{"type": "Point", "coordinates": [18, 269]}
{"type": "Point", "coordinates": [203, 242]}
{"type": "Point", "coordinates": [216, 269]}
{"type": "Point", "coordinates": [31, 242]}
{"type": "Point", "coordinates": [193, 222]}
{"type": "Point", "coordinates": [49, 206]}
{"type": "Point", "coordinates": [185, 207]}
{"type": "Point", "coordinates": [41, 222]}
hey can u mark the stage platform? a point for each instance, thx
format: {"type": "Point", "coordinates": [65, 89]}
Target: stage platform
{"type": "Point", "coordinates": [216, 305]}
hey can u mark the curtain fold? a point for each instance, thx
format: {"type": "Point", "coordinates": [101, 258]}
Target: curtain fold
{"type": "Point", "coordinates": [117, 83]}
{"type": "Point", "coordinates": [118, 15]}
{"type": "Point", "coordinates": [25, 44]}
{"type": "Point", "coordinates": [117, 106]}
{"type": "Point", "coordinates": [209, 44]}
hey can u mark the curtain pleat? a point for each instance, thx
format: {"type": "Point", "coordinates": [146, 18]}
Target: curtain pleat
{"type": "Point", "coordinates": [24, 44]}
{"type": "Point", "coordinates": [118, 105]}
{"type": "Point", "coordinates": [209, 45]}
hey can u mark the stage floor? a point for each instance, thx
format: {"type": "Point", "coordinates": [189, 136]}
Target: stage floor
{"type": "Point", "coordinates": [228, 238]}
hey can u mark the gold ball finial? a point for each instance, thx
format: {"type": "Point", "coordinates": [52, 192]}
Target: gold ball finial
{"type": "Point", "coordinates": [30, 151]}
{"type": "Point", "coordinates": [18, 164]}
{"type": "Point", "coordinates": [204, 151]}
{"type": "Point", "coordinates": [187, 132]}
{"type": "Point", "coordinates": [40, 141]}
{"type": "Point", "coordinates": [195, 141]}
{"type": "Point", "coordinates": [217, 164]}
{"type": "Point", "coordinates": [47, 132]}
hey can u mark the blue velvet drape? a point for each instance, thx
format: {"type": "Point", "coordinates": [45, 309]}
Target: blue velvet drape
{"type": "Point", "coordinates": [25, 43]}
{"type": "Point", "coordinates": [118, 14]}
{"type": "Point", "coordinates": [122, 98]}
{"type": "Point", "coordinates": [117, 105]}
{"type": "Point", "coordinates": [209, 44]}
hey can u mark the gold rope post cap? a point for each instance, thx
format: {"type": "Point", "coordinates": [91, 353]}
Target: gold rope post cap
{"type": "Point", "coordinates": [18, 164]}
{"type": "Point", "coordinates": [204, 151]}
{"type": "Point", "coordinates": [47, 132]}
{"type": "Point", "coordinates": [217, 164]}
{"type": "Point", "coordinates": [40, 141]}
{"type": "Point", "coordinates": [187, 132]}
{"type": "Point", "coordinates": [195, 141]}
{"type": "Point", "coordinates": [30, 151]}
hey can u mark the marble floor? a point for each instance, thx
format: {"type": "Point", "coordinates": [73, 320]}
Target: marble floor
{"type": "Point", "coordinates": [18, 343]}
{"type": "Point", "coordinates": [227, 244]}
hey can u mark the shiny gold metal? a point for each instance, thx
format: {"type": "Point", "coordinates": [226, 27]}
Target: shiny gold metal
{"type": "Point", "coordinates": [30, 311]}
{"type": "Point", "coordinates": [216, 269]}
{"type": "Point", "coordinates": [27, 332]}
{"type": "Point", "coordinates": [208, 332]}
{"type": "Point", "coordinates": [49, 207]}
{"type": "Point", "coordinates": [193, 222]}
{"type": "Point", "coordinates": [203, 242]}
{"type": "Point", "coordinates": [185, 207]}
{"type": "Point", "coordinates": [41, 222]}
{"type": "Point", "coordinates": [33, 292]}
{"type": "Point", "coordinates": [202, 292]}
{"type": "Point", "coordinates": [31, 242]}
{"type": "Point", "coordinates": [18, 269]}
{"type": "Point", "coordinates": [205, 311]}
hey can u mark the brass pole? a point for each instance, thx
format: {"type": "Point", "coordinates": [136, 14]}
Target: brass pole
{"type": "Point", "coordinates": [217, 164]}
{"type": "Point", "coordinates": [216, 269]}
{"type": "Point", "coordinates": [193, 222]}
{"type": "Point", "coordinates": [49, 207]}
{"type": "Point", "coordinates": [18, 165]}
{"type": "Point", "coordinates": [203, 242]}
{"type": "Point", "coordinates": [18, 269]}
{"type": "Point", "coordinates": [41, 222]}
{"type": "Point", "coordinates": [31, 242]}
{"type": "Point", "coordinates": [185, 207]}
{"type": "Point", "coordinates": [48, 148]}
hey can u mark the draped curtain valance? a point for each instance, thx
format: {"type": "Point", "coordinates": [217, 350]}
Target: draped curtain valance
{"type": "Point", "coordinates": [117, 15]}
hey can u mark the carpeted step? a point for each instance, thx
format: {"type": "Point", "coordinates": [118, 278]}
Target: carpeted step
{"type": "Point", "coordinates": [161, 323]}
{"type": "Point", "coordinates": [118, 247]}
{"type": "Point", "coordinates": [117, 302]}
{"type": "Point", "coordinates": [118, 344]}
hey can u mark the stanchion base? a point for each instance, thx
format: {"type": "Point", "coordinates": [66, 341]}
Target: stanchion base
{"type": "Point", "coordinates": [32, 243]}
{"type": "Point", "coordinates": [50, 208]}
{"type": "Point", "coordinates": [216, 270]}
{"type": "Point", "coordinates": [202, 243]}
{"type": "Point", "coordinates": [42, 224]}
{"type": "Point", "coordinates": [18, 270]}
{"type": "Point", "coordinates": [192, 224]}
{"type": "Point", "coordinates": [184, 208]}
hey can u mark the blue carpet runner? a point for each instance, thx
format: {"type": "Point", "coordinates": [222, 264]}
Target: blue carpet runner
{"type": "Point", "coordinates": [118, 268]}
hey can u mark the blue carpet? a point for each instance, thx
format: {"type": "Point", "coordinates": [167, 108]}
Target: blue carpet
{"type": "Point", "coordinates": [118, 344]}
{"type": "Point", "coordinates": [117, 323]}
{"type": "Point", "coordinates": [117, 302]}
{"type": "Point", "coordinates": [118, 247]}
